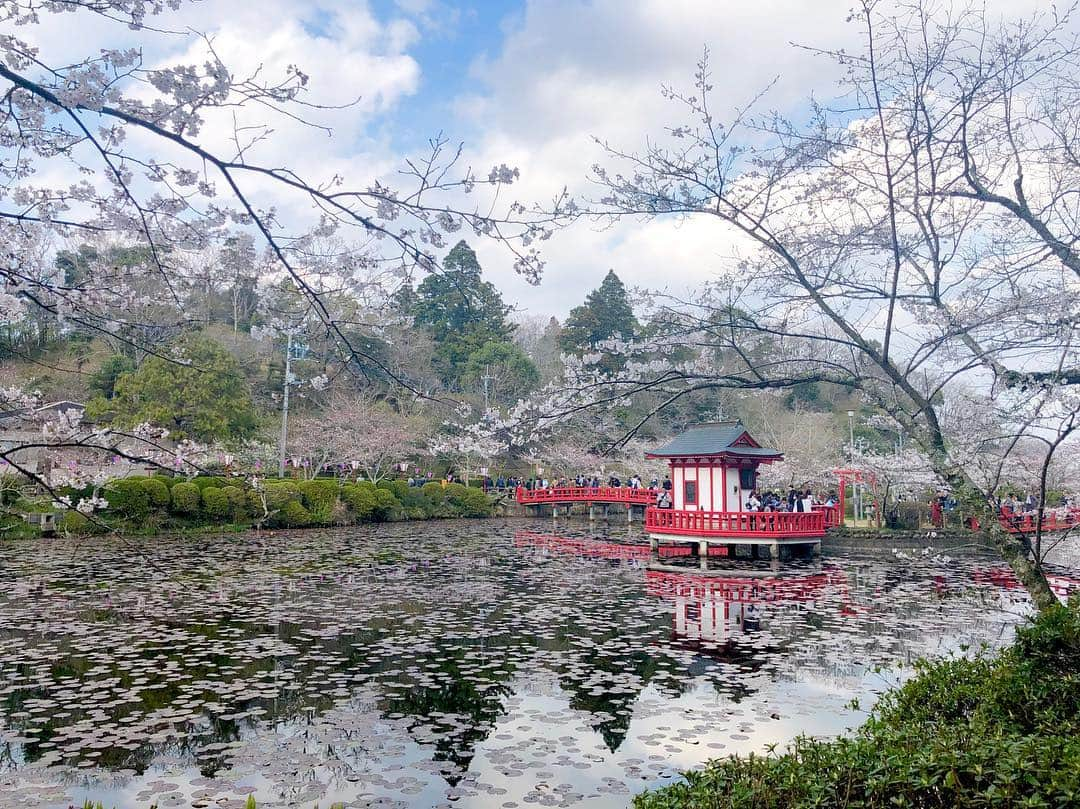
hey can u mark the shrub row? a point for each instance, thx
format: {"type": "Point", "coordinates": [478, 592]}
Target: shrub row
{"type": "Point", "coordinates": [158, 502]}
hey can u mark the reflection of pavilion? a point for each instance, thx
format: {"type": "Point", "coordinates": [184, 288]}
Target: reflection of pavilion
{"type": "Point", "coordinates": [720, 607]}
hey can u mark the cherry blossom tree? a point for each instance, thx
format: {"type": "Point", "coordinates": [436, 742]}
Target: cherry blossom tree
{"type": "Point", "coordinates": [355, 433]}
{"type": "Point", "coordinates": [164, 160]}
{"type": "Point", "coordinates": [913, 239]}
{"type": "Point", "coordinates": [470, 441]}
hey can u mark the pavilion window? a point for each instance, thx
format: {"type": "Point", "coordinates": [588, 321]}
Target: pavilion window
{"type": "Point", "coordinates": [690, 492]}
{"type": "Point", "coordinates": [746, 478]}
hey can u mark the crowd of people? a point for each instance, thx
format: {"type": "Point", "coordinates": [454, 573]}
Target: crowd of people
{"type": "Point", "coordinates": [581, 481]}
{"type": "Point", "coordinates": [796, 500]}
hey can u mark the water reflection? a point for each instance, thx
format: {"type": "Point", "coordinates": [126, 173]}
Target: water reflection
{"type": "Point", "coordinates": [473, 663]}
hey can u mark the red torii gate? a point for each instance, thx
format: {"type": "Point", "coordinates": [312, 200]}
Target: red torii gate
{"type": "Point", "coordinates": [856, 476]}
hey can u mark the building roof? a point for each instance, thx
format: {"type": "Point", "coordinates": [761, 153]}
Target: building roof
{"type": "Point", "coordinates": [720, 438]}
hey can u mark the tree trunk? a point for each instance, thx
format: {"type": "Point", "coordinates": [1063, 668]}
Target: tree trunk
{"type": "Point", "coordinates": [1013, 551]}
{"type": "Point", "coordinates": [1010, 547]}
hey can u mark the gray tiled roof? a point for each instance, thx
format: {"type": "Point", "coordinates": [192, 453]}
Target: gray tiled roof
{"type": "Point", "coordinates": [711, 439]}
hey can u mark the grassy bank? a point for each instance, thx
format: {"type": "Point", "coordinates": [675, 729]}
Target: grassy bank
{"type": "Point", "coordinates": [157, 504]}
{"type": "Point", "coordinates": [994, 731]}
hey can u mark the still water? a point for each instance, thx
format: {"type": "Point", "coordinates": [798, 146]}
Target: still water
{"type": "Point", "coordinates": [465, 664]}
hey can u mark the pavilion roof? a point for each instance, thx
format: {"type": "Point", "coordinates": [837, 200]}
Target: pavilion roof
{"type": "Point", "coordinates": [720, 438]}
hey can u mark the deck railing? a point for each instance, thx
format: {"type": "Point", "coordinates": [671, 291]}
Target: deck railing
{"type": "Point", "coordinates": [587, 494]}
{"type": "Point", "coordinates": [832, 514]}
{"type": "Point", "coordinates": [766, 524]}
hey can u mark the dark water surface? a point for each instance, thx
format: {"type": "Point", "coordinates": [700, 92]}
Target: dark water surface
{"type": "Point", "coordinates": [467, 664]}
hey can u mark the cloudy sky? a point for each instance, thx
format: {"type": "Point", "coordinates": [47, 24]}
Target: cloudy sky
{"type": "Point", "coordinates": [528, 83]}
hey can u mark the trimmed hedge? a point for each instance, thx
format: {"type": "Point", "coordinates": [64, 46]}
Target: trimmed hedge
{"type": "Point", "coordinates": [185, 498]}
{"type": "Point", "coordinates": [473, 503]}
{"type": "Point", "coordinates": [128, 497]}
{"type": "Point", "coordinates": [144, 503]}
{"type": "Point", "coordinates": [157, 492]}
{"type": "Point", "coordinates": [168, 480]}
{"type": "Point", "coordinates": [398, 488]}
{"type": "Point", "coordinates": [319, 497]}
{"type": "Point", "coordinates": [215, 504]}
{"type": "Point", "coordinates": [237, 502]}
{"type": "Point", "coordinates": [294, 515]}
{"type": "Point", "coordinates": [387, 507]}
{"type": "Point", "coordinates": [75, 522]}
{"type": "Point", "coordinates": [360, 500]}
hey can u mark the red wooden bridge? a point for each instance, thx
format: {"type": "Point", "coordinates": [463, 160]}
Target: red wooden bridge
{"type": "Point", "coordinates": [1053, 520]}
{"type": "Point", "coordinates": [566, 495]}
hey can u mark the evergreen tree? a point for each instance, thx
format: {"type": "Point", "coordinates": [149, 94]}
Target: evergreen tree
{"type": "Point", "coordinates": [461, 311]}
{"type": "Point", "coordinates": [103, 380]}
{"type": "Point", "coordinates": [510, 373]}
{"type": "Point", "coordinates": [606, 314]}
{"type": "Point", "coordinates": [207, 398]}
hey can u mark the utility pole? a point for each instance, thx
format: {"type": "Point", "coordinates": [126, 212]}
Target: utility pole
{"type": "Point", "coordinates": [487, 378]}
{"type": "Point", "coordinates": [285, 407]}
{"type": "Point", "coordinates": [851, 463]}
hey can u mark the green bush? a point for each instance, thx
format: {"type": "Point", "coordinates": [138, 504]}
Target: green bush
{"type": "Point", "coordinates": [294, 515]}
{"type": "Point", "coordinates": [399, 488]}
{"type": "Point", "coordinates": [474, 503]}
{"type": "Point", "coordinates": [985, 732]}
{"type": "Point", "coordinates": [454, 491]}
{"type": "Point", "coordinates": [361, 501]}
{"type": "Point", "coordinates": [281, 492]}
{"type": "Point", "coordinates": [215, 504]}
{"type": "Point", "coordinates": [433, 491]}
{"type": "Point", "coordinates": [128, 497]}
{"type": "Point", "coordinates": [157, 492]}
{"type": "Point", "coordinates": [185, 498]}
{"type": "Point", "coordinates": [319, 497]}
{"type": "Point", "coordinates": [387, 507]}
{"type": "Point", "coordinates": [74, 523]}
{"type": "Point", "coordinates": [208, 481]}
{"type": "Point", "coordinates": [237, 502]}
{"type": "Point", "coordinates": [168, 480]}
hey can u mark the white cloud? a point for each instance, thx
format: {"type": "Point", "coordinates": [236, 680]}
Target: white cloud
{"type": "Point", "coordinates": [570, 70]}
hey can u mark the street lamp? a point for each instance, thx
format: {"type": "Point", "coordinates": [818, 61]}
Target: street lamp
{"type": "Point", "coordinates": [851, 462]}
{"type": "Point", "coordinates": [851, 430]}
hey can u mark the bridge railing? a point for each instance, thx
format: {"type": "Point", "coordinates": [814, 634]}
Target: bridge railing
{"type": "Point", "coordinates": [587, 494]}
{"type": "Point", "coordinates": [774, 524]}
{"type": "Point", "coordinates": [1053, 520]}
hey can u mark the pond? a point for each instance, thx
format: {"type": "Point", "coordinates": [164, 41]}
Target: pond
{"type": "Point", "coordinates": [467, 664]}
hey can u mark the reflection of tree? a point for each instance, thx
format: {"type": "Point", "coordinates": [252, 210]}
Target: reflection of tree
{"type": "Point", "coordinates": [609, 689]}
{"type": "Point", "coordinates": [462, 710]}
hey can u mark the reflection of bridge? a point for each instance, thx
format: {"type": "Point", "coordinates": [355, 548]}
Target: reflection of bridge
{"type": "Point", "coordinates": [592, 548]}
{"type": "Point", "coordinates": [1003, 577]}
{"type": "Point", "coordinates": [718, 608]}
